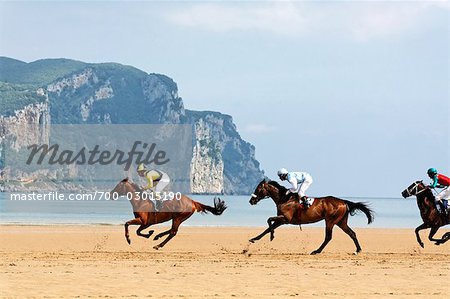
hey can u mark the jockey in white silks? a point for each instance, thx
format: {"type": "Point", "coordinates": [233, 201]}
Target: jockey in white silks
{"type": "Point", "coordinates": [300, 182]}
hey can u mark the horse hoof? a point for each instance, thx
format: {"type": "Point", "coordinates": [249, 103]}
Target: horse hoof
{"type": "Point", "coordinates": [421, 245]}
{"type": "Point", "coordinates": [251, 241]}
{"type": "Point", "coordinates": [129, 241]}
{"type": "Point", "coordinates": [315, 252]}
{"type": "Point", "coordinates": [355, 253]}
{"type": "Point", "coordinates": [156, 247]}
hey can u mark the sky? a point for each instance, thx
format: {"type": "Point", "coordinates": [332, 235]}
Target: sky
{"type": "Point", "coordinates": [355, 92]}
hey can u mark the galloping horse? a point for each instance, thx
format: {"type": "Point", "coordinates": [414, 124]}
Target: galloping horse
{"type": "Point", "coordinates": [335, 211]}
{"type": "Point", "coordinates": [428, 211]}
{"type": "Point", "coordinates": [175, 210]}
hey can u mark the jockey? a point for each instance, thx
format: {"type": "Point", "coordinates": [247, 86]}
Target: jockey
{"type": "Point", "coordinates": [157, 181]}
{"type": "Point", "coordinates": [440, 181]}
{"type": "Point", "coordinates": [300, 182]}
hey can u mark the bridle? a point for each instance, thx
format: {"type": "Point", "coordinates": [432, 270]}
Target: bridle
{"type": "Point", "coordinates": [260, 198]}
{"type": "Point", "coordinates": [253, 195]}
{"type": "Point", "coordinates": [415, 189]}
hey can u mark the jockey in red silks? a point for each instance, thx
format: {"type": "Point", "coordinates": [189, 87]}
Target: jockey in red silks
{"type": "Point", "coordinates": [440, 181]}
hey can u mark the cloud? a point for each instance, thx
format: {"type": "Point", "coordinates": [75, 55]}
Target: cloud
{"type": "Point", "coordinates": [259, 128]}
{"type": "Point", "coordinates": [280, 18]}
{"type": "Point", "coordinates": [360, 21]}
{"type": "Point", "coordinates": [375, 21]}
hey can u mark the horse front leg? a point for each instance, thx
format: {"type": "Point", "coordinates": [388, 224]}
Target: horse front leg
{"type": "Point", "coordinates": [280, 218]}
{"type": "Point", "coordinates": [419, 228]}
{"type": "Point", "coordinates": [433, 231]}
{"type": "Point", "coordinates": [135, 221]}
{"type": "Point", "coordinates": [444, 239]}
{"type": "Point", "coordinates": [141, 228]}
{"type": "Point", "coordinates": [268, 230]}
{"type": "Point", "coordinates": [328, 236]}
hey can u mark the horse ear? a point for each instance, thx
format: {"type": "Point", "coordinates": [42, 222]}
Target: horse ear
{"type": "Point", "coordinates": [266, 179]}
{"type": "Point", "coordinates": [125, 180]}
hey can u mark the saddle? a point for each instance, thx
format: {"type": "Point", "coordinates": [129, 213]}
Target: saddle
{"type": "Point", "coordinates": [308, 200]}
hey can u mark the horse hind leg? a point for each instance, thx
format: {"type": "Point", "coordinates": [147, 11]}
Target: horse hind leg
{"type": "Point", "coordinates": [328, 236]}
{"type": "Point", "coordinates": [173, 231]}
{"type": "Point", "coordinates": [344, 226]}
{"type": "Point", "coordinates": [160, 235]}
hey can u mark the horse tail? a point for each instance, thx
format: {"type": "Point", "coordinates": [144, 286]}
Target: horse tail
{"type": "Point", "coordinates": [219, 207]}
{"type": "Point", "coordinates": [353, 207]}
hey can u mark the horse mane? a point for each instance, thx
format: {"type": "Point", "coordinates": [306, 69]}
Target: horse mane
{"type": "Point", "coordinates": [136, 186]}
{"type": "Point", "coordinates": [281, 189]}
{"type": "Point", "coordinates": [427, 190]}
{"type": "Point", "coordinates": [277, 185]}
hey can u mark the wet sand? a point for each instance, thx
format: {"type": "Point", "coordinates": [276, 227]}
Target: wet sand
{"type": "Point", "coordinates": [218, 262]}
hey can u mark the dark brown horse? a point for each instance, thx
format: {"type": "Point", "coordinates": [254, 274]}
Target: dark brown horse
{"type": "Point", "coordinates": [428, 211]}
{"type": "Point", "coordinates": [177, 210]}
{"type": "Point", "coordinates": [333, 210]}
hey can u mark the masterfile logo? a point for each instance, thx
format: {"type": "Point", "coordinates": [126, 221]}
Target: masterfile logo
{"type": "Point", "coordinates": [93, 157]}
{"type": "Point", "coordinates": [51, 155]}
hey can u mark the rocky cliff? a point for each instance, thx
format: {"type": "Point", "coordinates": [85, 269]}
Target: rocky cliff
{"type": "Point", "coordinates": [70, 92]}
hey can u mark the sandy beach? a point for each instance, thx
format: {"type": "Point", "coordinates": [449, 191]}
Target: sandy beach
{"type": "Point", "coordinates": [218, 262]}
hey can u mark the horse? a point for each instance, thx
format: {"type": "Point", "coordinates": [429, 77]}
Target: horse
{"type": "Point", "coordinates": [177, 210]}
{"type": "Point", "coordinates": [428, 211]}
{"type": "Point", "coordinates": [334, 210]}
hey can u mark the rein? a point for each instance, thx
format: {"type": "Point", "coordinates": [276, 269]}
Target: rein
{"type": "Point", "coordinates": [416, 188]}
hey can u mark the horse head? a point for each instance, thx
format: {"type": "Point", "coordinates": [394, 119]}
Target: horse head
{"type": "Point", "coordinates": [261, 192]}
{"type": "Point", "coordinates": [265, 189]}
{"type": "Point", "coordinates": [122, 188]}
{"type": "Point", "coordinates": [414, 189]}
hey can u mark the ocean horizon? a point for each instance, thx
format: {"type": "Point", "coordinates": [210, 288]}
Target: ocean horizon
{"type": "Point", "coordinates": [389, 212]}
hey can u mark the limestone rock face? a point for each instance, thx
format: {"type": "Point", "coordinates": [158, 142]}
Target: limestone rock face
{"type": "Point", "coordinates": [161, 94]}
{"type": "Point", "coordinates": [207, 164]}
{"type": "Point", "coordinates": [226, 151]}
{"type": "Point", "coordinates": [73, 92]}
{"type": "Point", "coordinates": [29, 125]}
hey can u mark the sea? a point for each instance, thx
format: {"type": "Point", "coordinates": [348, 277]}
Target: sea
{"type": "Point", "coordinates": [389, 212]}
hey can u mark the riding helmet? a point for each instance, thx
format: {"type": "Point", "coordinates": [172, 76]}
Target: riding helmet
{"type": "Point", "coordinates": [432, 171]}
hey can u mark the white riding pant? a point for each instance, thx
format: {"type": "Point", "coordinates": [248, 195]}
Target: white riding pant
{"type": "Point", "coordinates": [305, 185]}
{"type": "Point", "coordinates": [162, 183]}
{"type": "Point", "coordinates": [444, 194]}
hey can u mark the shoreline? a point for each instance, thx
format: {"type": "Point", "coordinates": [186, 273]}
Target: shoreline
{"type": "Point", "coordinates": [167, 224]}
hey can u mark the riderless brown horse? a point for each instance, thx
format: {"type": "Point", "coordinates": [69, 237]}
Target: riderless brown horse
{"type": "Point", "coordinates": [177, 210]}
{"type": "Point", "coordinates": [428, 211]}
{"type": "Point", "coordinates": [335, 211]}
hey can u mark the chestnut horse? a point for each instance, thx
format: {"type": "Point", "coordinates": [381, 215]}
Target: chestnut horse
{"type": "Point", "coordinates": [428, 211]}
{"type": "Point", "coordinates": [177, 210]}
{"type": "Point", "coordinates": [333, 210]}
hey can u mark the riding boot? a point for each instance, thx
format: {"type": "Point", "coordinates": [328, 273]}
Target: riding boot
{"type": "Point", "coordinates": [445, 206]}
{"type": "Point", "coordinates": [158, 205]}
{"type": "Point", "coordinates": [305, 203]}
{"type": "Point", "coordinates": [442, 208]}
